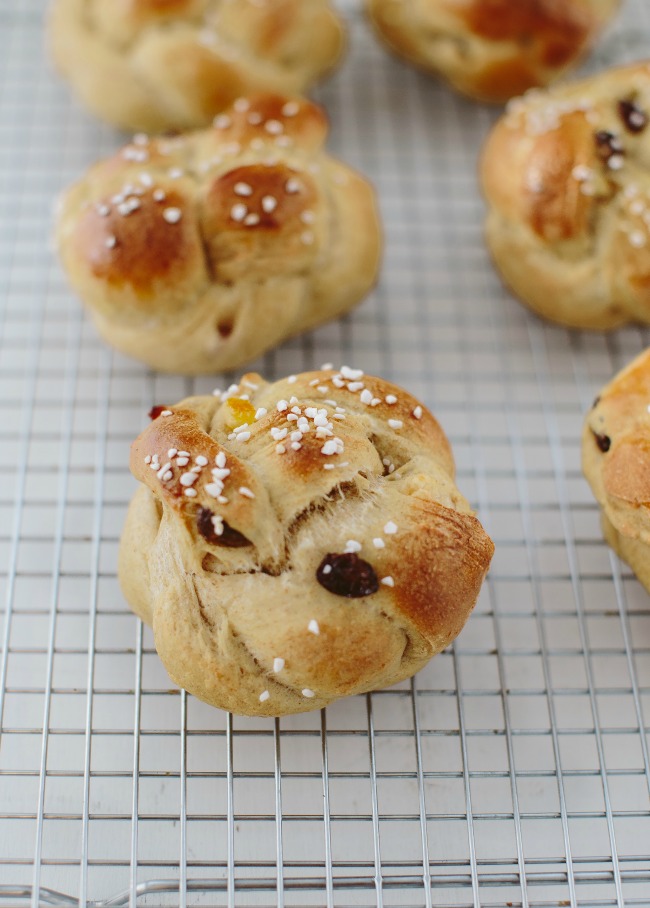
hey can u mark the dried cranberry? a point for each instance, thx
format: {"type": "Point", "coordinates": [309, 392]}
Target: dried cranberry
{"type": "Point", "coordinates": [347, 575]}
{"type": "Point", "coordinates": [604, 442]}
{"type": "Point", "coordinates": [634, 118]}
{"type": "Point", "coordinates": [155, 412]}
{"type": "Point", "coordinates": [229, 538]}
{"type": "Point", "coordinates": [608, 145]}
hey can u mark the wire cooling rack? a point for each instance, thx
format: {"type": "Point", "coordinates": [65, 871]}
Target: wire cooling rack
{"type": "Point", "coordinates": [513, 770]}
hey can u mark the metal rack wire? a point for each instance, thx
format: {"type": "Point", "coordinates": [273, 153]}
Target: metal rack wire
{"type": "Point", "coordinates": [513, 770]}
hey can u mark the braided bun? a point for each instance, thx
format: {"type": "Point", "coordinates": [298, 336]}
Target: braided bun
{"type": "Point", "coordinates": [155, 65]}
{"type": "Point", "coordinates": [567, 177]}
{"type": "Point", "coordinates": [298, 542]}
{"type": "Point", "coordinates": [196, 254]}
{"type": "Point", "coordinates": [616, 462]}
{"type": "Point", "coordinates": [492, 50]}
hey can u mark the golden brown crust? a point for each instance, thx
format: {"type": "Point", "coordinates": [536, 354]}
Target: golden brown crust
{"type": "Point", "coordinates": [245, 496]}
{"type": "Point", "coordinates": [155, 65]}
{"type": "Point", "coordinates": [555, 208]}
{"type": "Point", "coordinates": [142, 252]}
{"type": "Point", "coordinates": [140, 12]}
{"type": "Point", "coordinates": [530, 176]}
{"type": "Point", "coordinates": [566, 179]}
{"type": "Point", "coordinates": [278, 235]}
{"type": "Point", "coordinates": [557, 26]}
{"type": "Point", "coordinates": [451, 551]}
{"type": "Point", "coordinates": [616, 459]}
{"type": "Point", "coordinates": [256, 119]}
{"type": "Point", "coordinates": [197, 253]}
{"type": "Point", "coordinates": [492, 50]}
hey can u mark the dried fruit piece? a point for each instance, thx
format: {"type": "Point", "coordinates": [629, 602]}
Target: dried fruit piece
{"type": "Point", "coordinates": [608, 145]}
{"type": "Point", "coordinates": [241, 411]}
{"type": "Point", "coordinates": [633, 117]}
{"type": "Point", "coordinates": [347, 575]}
{"type": "Point", "coordinates": [208, 524]}
{"type": "Point", "coordinates": [604, 442]}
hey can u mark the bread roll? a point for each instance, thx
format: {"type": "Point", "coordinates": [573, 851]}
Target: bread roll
{"type": "Point", "coordinates": [566, 174]}
{"type": "Point", "coordinates": [197, 253]}
{"type": "Point", "coordinates": [616, 463]}
{"type": "Point", "coordinates": [155, 65]}
{"type": "Point", "coordinates": [297, 542]}
{"type": "Point", "coordinates": [492, 50]}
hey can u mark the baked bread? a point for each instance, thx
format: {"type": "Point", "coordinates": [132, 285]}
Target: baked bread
{"type": "Point", "coordinates": [566, 174]}
{"type": "Point", "coordinates": [197, 253]}
{"type": "Point", "coordinates": [155, 65]}
{"type": "Point", "coordinates": [616, 462]}
{"type": "Point", "coordinates": [298, 542]}
{"type": "Point", "coordinates": [492, 50]}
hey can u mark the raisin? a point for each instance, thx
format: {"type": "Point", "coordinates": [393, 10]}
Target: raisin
{"type": "Point", "coordinates": [633, 117]}
{"type": "Point", "coordinates": [155, 412]}
{"type": "Point", "coordinates": [608, 145]}
{"type": "Point", "coordinates": [596, 402]}
{"type": "Point", "coordinates": [229, 537]}
{"type": "Point", "coordinates": [604, 442]}
{"type": "Point", "coordinates": [347, 575]}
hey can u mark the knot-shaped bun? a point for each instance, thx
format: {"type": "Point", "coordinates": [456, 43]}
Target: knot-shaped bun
{"type": "Point", "coordinates": [616, 462]}
{"type": "Point", "coordinates": [492, 50]}
{"type": "Point", "coordinates": [155, 65]}
{"type": "Point", "coordinates": [197, 253]}
{"type": "Point", "coordinates": [298, 542]}
{"type": "Point", "coordinates": [566, 174]}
